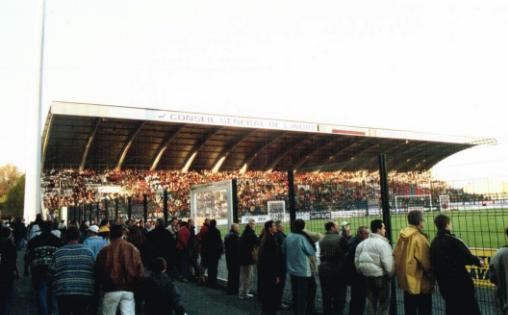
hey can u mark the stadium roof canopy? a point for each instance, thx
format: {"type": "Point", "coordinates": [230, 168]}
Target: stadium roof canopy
{"type": "Point", "coordinates": [95, 136]}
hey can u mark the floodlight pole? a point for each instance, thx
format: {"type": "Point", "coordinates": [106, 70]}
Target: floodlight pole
{"type": "Point", "coordinates": [291, 197]}
{"type": "Point", "coordinates": [32, 200]}
{"type": "Point", "coordinates": [385, 203]}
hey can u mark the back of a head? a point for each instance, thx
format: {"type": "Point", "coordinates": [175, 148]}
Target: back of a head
{"type": "Point", "coordinates": [329, 225]}
{"type": "Point", "coordinates": [160, 223]}
{"type": "Point", "coordinates": [376, 225]}
{"type": "Point", "coordinates": [268, 225]}
{"type": "Point", "coordinates": [158, 264]}
{"type": "Point", "coordinates": [213, 224]}
{"type": "Point", "coordinates": [116, 231]}
{"type": "Point", "coordinates": [299, 225]}
{"type": "Point", "coordinates": [72, 233]}
{"type": "Point", "coordinates": [441, 221]}
{"type": "Point", "coordinates": [414, 217]}
{"type": "Point", "coordinates": [45, 226]}
{"type": "Point", "coordinates": [5, 232]}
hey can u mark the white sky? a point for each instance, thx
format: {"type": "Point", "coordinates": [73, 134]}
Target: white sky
{"type": "Point", "coordinates": [434, 66]}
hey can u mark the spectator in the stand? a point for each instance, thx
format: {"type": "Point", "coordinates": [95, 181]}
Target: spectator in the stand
{"type": "Point", "coordinates": [159, 292]}
{"type": "Point", "coordinates": [412, 266]}
{"type": "Point", "coordinates": [73, 275]}
{"type": "Point", "coordinates": [182, 251]}
{"type": "Point", "coordinates": [119, 271]}
{"type": "Point", "coordinates": [212, 248]}
{"type": "Point", "coordinates": [449, 257]}
{"type": "Point", "coordinates": [160, 243]}
{"type": "Point", "coordinates": [94, 242]}
{"type": "Point", "coordinates": [40, 251]}
{"type": "Point", "coordinates": [280, 237]}
{"type": "Point", "coordinates": [232, 249]}
{"type": "Point", "coordinates": [299, 249]}
{"type": "Point", "coordinates": [270, 269]}
{"type": "Point", "coordinates": [331, 271]}
{"type": "Point", "coordinates": [374, 260]}
{"type": "Point", "coordinates": [8, 269]}
{"type": "Point", "coordinates": [498, 272]}
{"type": "Point", "coordinates": [248, 256]}
{"type": "Point", "coordinates": [355, 279]}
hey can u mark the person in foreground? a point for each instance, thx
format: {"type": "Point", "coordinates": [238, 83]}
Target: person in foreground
{"type": "Point", "coordinates": [449, 257]}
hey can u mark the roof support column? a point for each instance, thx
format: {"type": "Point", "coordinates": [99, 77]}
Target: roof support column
{"type": "Point", "coordinates": [128, 145]}
{"type": "Point", "coordinates": [89, 142]}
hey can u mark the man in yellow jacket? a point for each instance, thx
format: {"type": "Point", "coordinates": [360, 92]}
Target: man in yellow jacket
{"type": "Point", "coordinates": [412, 266]}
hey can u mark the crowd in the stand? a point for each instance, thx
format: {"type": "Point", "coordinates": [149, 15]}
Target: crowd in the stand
{"type": "Point", "coordinates": [314, 191]}
{"type": "Point", "coordinates": [129, 267]}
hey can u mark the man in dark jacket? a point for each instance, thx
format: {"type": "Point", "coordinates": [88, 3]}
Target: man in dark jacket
{"type": "Point", "coordinates": [356, 279]}
{"type": "Point", "coordinates": [40, 251]}
{"type": "Point", "coordinates": [212, 247]}
{"type": "Point", "coordinates": [248, 244]}
{"type": "Point", "coordinates": [231, 244]}
{"type": "Point", "coordinates": [8, 269]}
{"type": "Point", "coordinates": [270, 269]}
{"type": "Point", "coordinates": [160, 294]}
{"type": "Point", "coordinates": [280, 237]}
{"type": "Point", "coordinates": [448, 257]}
{"type": "Point", "coordinates": [331, 271]}
{"type": "Point", "coordinates": [161, 243]}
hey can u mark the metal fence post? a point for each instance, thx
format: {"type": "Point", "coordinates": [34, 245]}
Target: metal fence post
{"type": "Point", "coordinates": [129, 207]}
{"type": "Point", "coordinates": [385, 204]}
{"type": "Point", "coordinates": [234, 192]}
{"type": "Point", "coordinates": [117, 204]}
{"type": "Point", "coordinates": [165, 207]}
{"type": "Point", "coordinates": [106, 203]}
{"type": "Point", "coordinates": [90, 210]}
{"type": "Point", "coordinates": [98, 212]}
{"type": "Point", "coordinates": [145, 207]}
{"type": "Point", "coordinates": [292, 198]}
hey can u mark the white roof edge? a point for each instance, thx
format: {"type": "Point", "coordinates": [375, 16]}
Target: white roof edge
{"type": "Point", "coordinates": [163, 115]}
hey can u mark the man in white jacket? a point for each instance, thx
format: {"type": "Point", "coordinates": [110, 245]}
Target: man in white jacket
{"type": "Point", "coordinates": [374, 259]}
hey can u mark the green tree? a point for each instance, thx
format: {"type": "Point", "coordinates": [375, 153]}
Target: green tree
{"type": "Point", "coordinates": [13, 205]}
{"type": "Point", "coordinates": [9, 175]}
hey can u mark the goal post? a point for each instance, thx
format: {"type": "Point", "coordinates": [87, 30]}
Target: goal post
{"type": "Point", "coordinates": [406, 203]}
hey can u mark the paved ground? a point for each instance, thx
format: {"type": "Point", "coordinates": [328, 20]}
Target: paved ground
{"type": "Point", "coordinates": [196, 299]}
{"type": "Point", "coordinates": [200, 300]}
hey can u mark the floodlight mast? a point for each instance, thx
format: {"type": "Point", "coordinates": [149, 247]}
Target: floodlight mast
{"type": "Point", "coordinates": [33, 200]}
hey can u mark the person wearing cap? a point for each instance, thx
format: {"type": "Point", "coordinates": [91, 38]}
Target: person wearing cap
{"type": "Point", "coordinates": [94, 242]}
{"type": "Point", "coordinates": [119, 272]}
{"type": "Point", "coordinates": [104, 231]}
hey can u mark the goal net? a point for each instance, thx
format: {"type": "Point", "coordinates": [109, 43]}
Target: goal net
{"type": "Point", "coordinates": [406, 203]}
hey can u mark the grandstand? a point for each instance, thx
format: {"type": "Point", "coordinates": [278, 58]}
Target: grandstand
{"type": "Point", "coordinates": [102, 142]}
